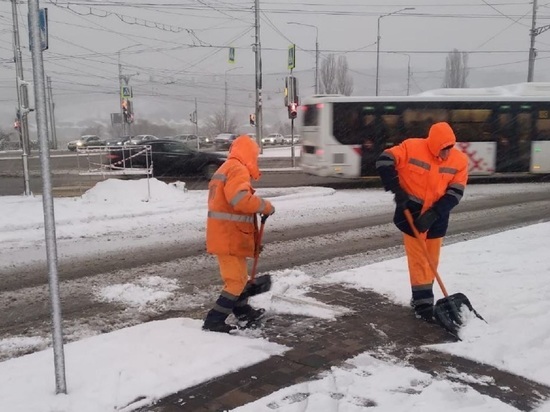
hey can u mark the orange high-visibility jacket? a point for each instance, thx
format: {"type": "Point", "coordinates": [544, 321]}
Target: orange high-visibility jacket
{"type": "Point", "coordinates": [429, 180]}
{"type": "Point", "coordinates": [231, 227]}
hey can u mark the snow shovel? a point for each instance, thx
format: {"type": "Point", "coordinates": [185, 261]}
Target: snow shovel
{"type": "Point", "coordinates": [447, 309]}
{"type": "Point", "coordinates": [260, 284]}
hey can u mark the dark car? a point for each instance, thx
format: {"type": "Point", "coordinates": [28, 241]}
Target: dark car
{"type": "Point", "coordinates": [140, 138]}
{"type": "Point", "coordinates": [118, 141]}
{"type": "Point", "coordinates": [223, 141]}
{"type": "Point", "coordinates": [170, 158]}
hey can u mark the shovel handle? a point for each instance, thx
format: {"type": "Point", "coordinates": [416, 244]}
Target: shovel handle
{"type": "Point", "coordinates": [417, 235]}
{"type": "Point", "coordinates": [263, 218]}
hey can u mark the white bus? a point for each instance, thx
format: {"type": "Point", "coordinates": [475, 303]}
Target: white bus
{"type": "Point", "coordinates": [502, 129]}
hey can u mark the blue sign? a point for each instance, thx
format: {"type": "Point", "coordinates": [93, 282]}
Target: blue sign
{"type": "Point", "coordinates": [43, 27]}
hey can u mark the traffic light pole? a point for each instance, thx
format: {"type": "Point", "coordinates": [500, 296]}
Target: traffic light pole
{"type": "Point", "coordinates": [292, 142]}
{"type": "Point", "coordinates": [23, 101]}
{"type": "Point", "coordinates": [258, 70]}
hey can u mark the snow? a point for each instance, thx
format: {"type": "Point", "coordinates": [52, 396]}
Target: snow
{"type": "Point", "coordinates": [504, 275]}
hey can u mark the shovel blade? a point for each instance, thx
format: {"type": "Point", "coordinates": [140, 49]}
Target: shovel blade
{"type": "Point", "coordinates": [447, 311]}
{"type": "Point", "coordinates": [261, 284]}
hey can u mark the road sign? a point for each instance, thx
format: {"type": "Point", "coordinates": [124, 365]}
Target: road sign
{"type": "Point", "coordinates": [291, 56]}
{"type": "Point", "coordinates": [43, 28]}
{"type": "Point", "coordinates": [126, 92]}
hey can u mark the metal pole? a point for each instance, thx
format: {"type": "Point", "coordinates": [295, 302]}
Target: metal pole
{"type": "Point", "coordinates": [378, 43]}
{"type": "Point", "coordinates": [22, 99]}
{"type": "Point", "coordinates": [378, 52]}
{"type": "Point", "coordinates": [52, 113]}
{"type": "Point", "coordinates": [225, 106]}
{"type": "Point", "coordinates": [197, 124]}
{"type": "Point", "coordinates": [47, 198]}
{"type": "Point", "coordinates": [120, 85]}
{"type": "Point", "coordinates": [292, 142]}
{"type": "Point", "coordinates": [258, 70]}
{"type": "Point", "coordinates": [532, 52]}
{"type": "Point", "coordinates": [317, 61]}
{"type": "Point", "coordinates": [408, 75]}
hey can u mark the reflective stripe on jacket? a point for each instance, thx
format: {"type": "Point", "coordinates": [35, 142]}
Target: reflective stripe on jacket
{"type": "Point", "coordinates": [231, 227]}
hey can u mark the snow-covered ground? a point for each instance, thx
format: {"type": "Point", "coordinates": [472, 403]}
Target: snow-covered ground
{"type": "Point", "coordinates": [109, 372]}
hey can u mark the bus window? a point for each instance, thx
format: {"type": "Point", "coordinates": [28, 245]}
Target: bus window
{"type": "Point", "coordinates": [311, 115]}
{"type": "Point", "coordinates": [394, 133]}
{"type": "Point", "coordinates": [471, 125]}
{"type": "Point", "coordinates": [542, 125]}
{"type": "Point", "coordinates": [417, 122]}
{"type": "Point", "coordinates": [348, 124]}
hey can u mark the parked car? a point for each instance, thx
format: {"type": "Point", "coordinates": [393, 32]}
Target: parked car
{"type": "Point", "coordinates": [223, 141]}
{"type": "Point", "coordinates": [85, 141]}
{"type": "Point", "coordinates": [288, 139]}
{"type": "Point", "coordinates": [273, 139]}
{"type": "Point", "coordinates": [190, 140]}
{"type": "Point", "coordinates": [206, 141]}
{"type": "Point", "coordinates": [169, 158]}
{"type": "Point", "coordinates": [140, 138]}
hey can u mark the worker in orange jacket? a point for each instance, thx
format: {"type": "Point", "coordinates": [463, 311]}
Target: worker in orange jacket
{"type": "Point", "coordinates": [232, 231]}
{"type": "Point", "coordinates": [427, 176]}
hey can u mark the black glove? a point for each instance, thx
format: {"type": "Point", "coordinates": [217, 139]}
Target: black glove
{"type": "Point", "coordinates": [426, 220]}
{"type": "Point", "coordinates": [400, 197]}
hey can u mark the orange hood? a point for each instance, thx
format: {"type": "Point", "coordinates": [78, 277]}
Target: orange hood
{"type": "Point", "coordinates": [441, 135]}
{"type": "Point", "coordinates": [246, 151]}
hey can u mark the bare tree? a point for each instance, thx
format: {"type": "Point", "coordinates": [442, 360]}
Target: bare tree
{"type": "Point", "coordinates": [335, 77]}
{"type": "Point", "coordinates": [214, 124]}
{"type": "Point", "coordinates": [456, 70]}
{"type": "Point", "coordinates": [344, 80]}
{"type": "Point", "coordinates": [328, 75]}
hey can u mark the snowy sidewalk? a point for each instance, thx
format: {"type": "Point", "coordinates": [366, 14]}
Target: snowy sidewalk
{"type": "Point", "coordinates": [375, 325]}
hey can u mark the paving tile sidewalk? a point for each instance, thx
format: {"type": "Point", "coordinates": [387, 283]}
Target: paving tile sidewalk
{"type": "Point", "coordinates": [317, 344]}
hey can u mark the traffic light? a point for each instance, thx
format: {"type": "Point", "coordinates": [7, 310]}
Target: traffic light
{"type": "Point", "coordinates": [127, 112]}
{"type": "Point", "coordinates": [292, 110]}
{"type": "Point", "coordinates": [252, 119]}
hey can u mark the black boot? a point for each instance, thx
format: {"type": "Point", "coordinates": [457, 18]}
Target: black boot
{"type": "Point", "coordinates": [215, 322]}
{"type": "Point", "coordinates": [247, 316]}
{"type": "Point", "coordinates": [425, 312]}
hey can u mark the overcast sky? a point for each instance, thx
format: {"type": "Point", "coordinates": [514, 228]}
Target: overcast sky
{"type": "Point", "coordinates": [178, 51]}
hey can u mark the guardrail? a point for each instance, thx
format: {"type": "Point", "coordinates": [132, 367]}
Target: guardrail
{"type": "Point", "coordinates": [116, 161]}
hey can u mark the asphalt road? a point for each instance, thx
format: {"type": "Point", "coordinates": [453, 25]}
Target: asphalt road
{"type": "Point", "coordinates": [66, 179]}
{"type": "Point", "coordinates": [318, 249]}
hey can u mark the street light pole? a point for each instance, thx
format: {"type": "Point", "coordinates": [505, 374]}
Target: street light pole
{"type": "Point", "coordinates": [408, 71]}
{"type": "Point", "coordinates": [225, 100]}
{"type": "Point", "coordinates": [378, 43]}
{"type": "Point", "coordinates": [316, 51]}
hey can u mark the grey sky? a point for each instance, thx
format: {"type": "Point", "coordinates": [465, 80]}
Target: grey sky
{"type": "Point", "coordinates": [177, 50]}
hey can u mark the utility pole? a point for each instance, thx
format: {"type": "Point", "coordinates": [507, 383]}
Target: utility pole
{"type": "Point", "coordinates": [532, 52]}
{"type": "Point", "coordinates": [197, 124]}
{"type": "Point", "coordinates": [316, 63]}
{"type": "Point", "coordinates": [258, 70]}
{"type": "Point", "coordinates": [409, 75]}
{"type": "Point", "coordinates": [224, 106]}
{"type": "Point", "coordinates": [122, 81]}
{"type": "Point", "coordinates": [51, 106]}
{"type": "Point", "coordinates": [22, 100]}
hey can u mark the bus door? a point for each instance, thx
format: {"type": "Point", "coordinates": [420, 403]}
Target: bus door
{"type": "Point", "coordinates": [374, 134]}
{"type": "Point", "coordinates": [540, 145]}
{"type": "Point", "coordinates": [524, 131]}
{"type": "Point", "coordinates": [505, 137]}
